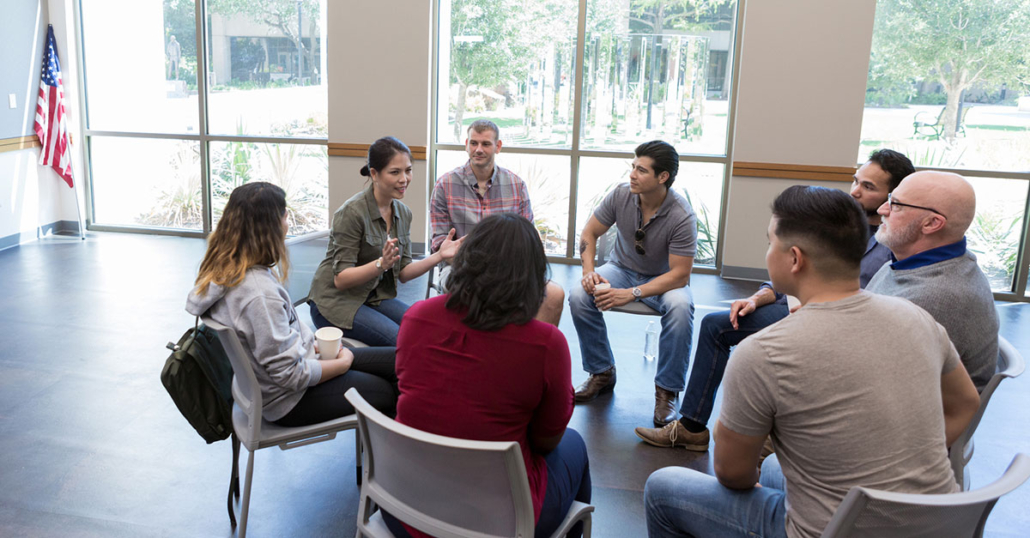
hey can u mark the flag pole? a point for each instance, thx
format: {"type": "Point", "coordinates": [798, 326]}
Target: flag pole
{"type": "Point", "coordinates": [78, 211]}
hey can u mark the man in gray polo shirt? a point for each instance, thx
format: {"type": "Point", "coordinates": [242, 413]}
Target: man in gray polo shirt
{"type": "Point", "coordinates": [651, 263]}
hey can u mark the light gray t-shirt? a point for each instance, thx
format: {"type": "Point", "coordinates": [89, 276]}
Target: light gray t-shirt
{"type": "Point", "coordinates": [845, 410]}
{"type": "Point", "coordinates": [672, 230]}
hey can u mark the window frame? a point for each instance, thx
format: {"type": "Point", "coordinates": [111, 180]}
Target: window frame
{"type": "Point", "coordinates": [575, 153]}
{"type": "Point", "coordinates": [204, 138]}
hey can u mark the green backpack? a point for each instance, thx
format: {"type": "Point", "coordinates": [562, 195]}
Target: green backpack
{"type": "Point", "coordinates": [198, 377]}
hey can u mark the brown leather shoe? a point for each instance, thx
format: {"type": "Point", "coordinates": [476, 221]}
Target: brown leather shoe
{"type": "Point", "coordinates": [673, 435]}
{"type": "Point", "coordinates": [664, 406]}
{"type": "Point", "coordinates": [596, 385]}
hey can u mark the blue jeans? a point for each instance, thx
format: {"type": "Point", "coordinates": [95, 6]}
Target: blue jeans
{"type": "Point", "coordinates": [716, 337]}
{"type": "Point", "coordinates": [677, 310]}
{"type": "Point", "coordinates": [684, 502]}
{"type": "Point", "coordinates": [373, 325]}
{"type": "Point", "coordinates": [568, 479]}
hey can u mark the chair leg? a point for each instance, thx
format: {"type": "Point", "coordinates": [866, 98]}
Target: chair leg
{"type": "Point", "coordinates": [245, 508]}
{"type": "Point", "coordinates": [357, 455]}
{"type": "Point", "coordinates": [234, 480]}
{"type": "Point", "coordinates": [587, 521]}
{"type": "Point", "coordinates": [236, 466]}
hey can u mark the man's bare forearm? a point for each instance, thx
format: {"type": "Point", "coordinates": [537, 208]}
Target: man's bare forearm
{"type": "Point", "coordinates": [764, 296]}
{"type": "Point", "coordinates": [587, 252]}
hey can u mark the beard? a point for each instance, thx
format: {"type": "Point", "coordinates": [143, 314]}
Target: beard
{"type": "Point", "coordinates": [892, 236]}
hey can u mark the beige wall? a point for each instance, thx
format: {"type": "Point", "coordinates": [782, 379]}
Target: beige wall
{"type": "Point", "coordinates": [803, 74]}
{"type": "Point", "coordinates": [378, 68]}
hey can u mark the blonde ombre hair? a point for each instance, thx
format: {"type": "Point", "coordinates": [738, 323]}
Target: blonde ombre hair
{"type": "Point", "coordinates": [250, 233]}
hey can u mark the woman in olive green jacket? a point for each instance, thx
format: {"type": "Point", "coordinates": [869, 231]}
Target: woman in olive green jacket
{"type": "Point", "coordinates": [355, 286]}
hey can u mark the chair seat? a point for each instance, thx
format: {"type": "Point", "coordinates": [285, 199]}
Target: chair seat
{"type": "Point", "coordinates": [636, 307]}
{"type": "Point", "coordinates": [273, 434]}
{"type": "Point", "coordinates": [352, 343]}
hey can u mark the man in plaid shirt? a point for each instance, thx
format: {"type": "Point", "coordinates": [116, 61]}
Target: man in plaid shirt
{"type": "Point", "coordinates": [479, 188]}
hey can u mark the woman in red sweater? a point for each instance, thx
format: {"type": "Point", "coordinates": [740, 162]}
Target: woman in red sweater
{"type": "Point", "coordinates": [474, 364]}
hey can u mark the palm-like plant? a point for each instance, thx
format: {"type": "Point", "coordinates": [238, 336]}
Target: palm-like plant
{"type": "Point", "coordinates": [181, 205]}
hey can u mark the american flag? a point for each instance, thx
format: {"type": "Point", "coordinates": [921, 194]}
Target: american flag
{"type": "Point", "coordinates": [50, 116]}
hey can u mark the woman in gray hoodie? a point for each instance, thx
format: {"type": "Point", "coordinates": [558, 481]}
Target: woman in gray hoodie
{"type": "Point", "coordinates": [240, 285]}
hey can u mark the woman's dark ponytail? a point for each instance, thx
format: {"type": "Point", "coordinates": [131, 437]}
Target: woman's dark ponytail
{"type": "Point", "coordinates": [381, 152]}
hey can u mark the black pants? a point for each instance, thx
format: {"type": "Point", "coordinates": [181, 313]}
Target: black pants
{"type": "Point", "coordinates": [372, 373]}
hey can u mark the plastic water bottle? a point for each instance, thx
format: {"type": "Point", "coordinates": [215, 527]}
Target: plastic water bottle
{"type": "Point", "coordinates": [651, 341]}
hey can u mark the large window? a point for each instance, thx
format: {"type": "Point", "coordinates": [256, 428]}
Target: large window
{"type": "Point", "coordinates": [652, 69]}
{"type": "Point", "coordinates": [175, 122]}
{"type": "Point", "coordinates": [949, 87]}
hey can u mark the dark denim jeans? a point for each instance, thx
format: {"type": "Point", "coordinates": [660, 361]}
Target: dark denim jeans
{"type": "Point", "coordinates": [714, 341]}
{"type": "Point", "coordinates": [373, 325]}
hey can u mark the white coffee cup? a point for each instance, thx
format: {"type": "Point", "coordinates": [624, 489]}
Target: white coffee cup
{"type": "Point", "coordinates": [328, 339]}
{"type": "Point", "coordinates": [601, 286]}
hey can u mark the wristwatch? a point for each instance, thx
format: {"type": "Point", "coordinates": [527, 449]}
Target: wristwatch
{"type": "Point", "coordinates": [636, 294]}
{"type": "Point", "coordinates": [379, 263]}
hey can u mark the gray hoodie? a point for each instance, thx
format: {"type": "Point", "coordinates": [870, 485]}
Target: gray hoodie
{"type": "Point", "coordinates": [281, 347]}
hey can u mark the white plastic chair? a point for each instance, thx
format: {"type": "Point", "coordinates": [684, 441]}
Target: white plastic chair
{"type": "Point", "coordinates": [869, 513]}
{"type": "Point", "coordinates": [434, 281]}
{"type": "Point", "coordinates": [254, 432]}
{"type": "Point", "coordinates": [1010, 364]}
{"type": "Point", "coordinates": [446, 487]}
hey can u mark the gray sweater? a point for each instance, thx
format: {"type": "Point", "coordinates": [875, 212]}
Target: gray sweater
{"type": "Point", "coordinates": [956, 293]}
{"type": "Point", "coordinates": [281, 347]}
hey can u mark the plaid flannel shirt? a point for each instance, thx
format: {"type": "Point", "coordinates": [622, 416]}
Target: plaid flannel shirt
{"type": "Point", "coordinates": [457, 203]}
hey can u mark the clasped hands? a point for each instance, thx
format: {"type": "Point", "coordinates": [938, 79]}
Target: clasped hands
{"type": "Point", "coordinates": [608, 297]}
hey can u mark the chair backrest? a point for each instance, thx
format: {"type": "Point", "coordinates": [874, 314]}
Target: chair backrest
{"type": "Point", "coordinates": [883, 514]}
{"type": "Point", "coordinates": [306, 253]}
{"type": "Point", "coordinates": [246, 392]}
{"type": "Point", "coordinates": [1010, 364]}
{"type": "Point", "coordinates": [443, 486]}
{"type": "Point", "coordinates": [605, 245]}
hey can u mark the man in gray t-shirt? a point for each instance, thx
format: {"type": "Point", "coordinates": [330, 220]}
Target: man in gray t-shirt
{"type": "Point", "coordinates": [651, 263]}
{"type": "Point", "coordinates": [841, 413]}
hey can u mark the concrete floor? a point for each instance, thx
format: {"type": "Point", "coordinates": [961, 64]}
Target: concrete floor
{"type": "Point", "coordinates": [93, 446]}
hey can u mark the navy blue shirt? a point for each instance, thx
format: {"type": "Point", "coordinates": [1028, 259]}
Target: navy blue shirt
{"type": "Point", "coordinates": [930, 257]}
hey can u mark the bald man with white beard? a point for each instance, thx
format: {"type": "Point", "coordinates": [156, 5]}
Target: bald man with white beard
{"type": "Point", "coordinates": [923, 223]}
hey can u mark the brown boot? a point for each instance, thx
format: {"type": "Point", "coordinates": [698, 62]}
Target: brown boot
{"type": "Point", "coordinates": [664, 406]}
{"type": "Point", "coordinates": [595, 385]}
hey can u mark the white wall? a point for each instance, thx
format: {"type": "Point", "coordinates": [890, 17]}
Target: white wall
{"type": "Point", "coordinates": [803, 74]}
{"type": "Point", "coordinates": [30, 196]}
{"type": "Point", "coordinates": [378, 71]}
{"type": "Point", "coordinates": [33, 195]}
